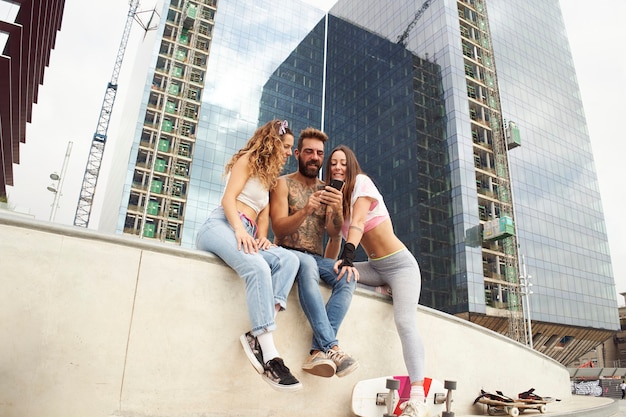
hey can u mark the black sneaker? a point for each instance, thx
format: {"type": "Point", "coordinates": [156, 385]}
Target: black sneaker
{"type": "Point", "coordinates": [252, 348]}
{"type": "Point", "coordinates": [279, 377]}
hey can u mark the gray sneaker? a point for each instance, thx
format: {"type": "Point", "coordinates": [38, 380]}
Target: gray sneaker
{"type": "Point", "coordinates": [345, 364]}
{"type": "Point", "coordinates": [320, 365]}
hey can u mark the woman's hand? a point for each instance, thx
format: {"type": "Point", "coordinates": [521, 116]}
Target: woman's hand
{"type": "Point", "coordinates": [245, 241]}
{"type": "Point", "coordinates": [264, 243]}
{"type": "Point", "coordinates": [349, 271]}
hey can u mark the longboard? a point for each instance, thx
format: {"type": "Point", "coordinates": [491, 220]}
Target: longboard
{"type": "Point", "coordinates": [512, 408]}
{"type": "Point", "coordinates": [377, 397]}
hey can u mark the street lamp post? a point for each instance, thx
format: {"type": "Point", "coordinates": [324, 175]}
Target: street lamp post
{"type": "Point", "coordinates": [525, 285]}
{"type": "Point", "coordinates": [57, 185]}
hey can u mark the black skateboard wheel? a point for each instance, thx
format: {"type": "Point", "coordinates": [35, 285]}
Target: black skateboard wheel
{"type": "Point", "coordinates": [449, 385]}
{"type": "Point", "coordinates": [393, 384]}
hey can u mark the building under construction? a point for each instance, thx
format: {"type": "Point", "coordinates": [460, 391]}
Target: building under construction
{"type": "Point", "coordinates": [468, 119]}
{"type": "Point", "coordinates": [160, 182]}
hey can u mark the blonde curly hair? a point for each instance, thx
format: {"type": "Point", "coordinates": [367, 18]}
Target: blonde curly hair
{"type": "Point", "coordinates": [265, 150]}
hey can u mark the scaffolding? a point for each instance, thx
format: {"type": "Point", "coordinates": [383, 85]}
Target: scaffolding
{"type": "Point", "coordinates": [493, 183]}
{"type": "Point", "coordinates": [161, 175]}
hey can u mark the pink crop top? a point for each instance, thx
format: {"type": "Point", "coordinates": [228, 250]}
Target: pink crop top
{"type": "Point", "coordinates": [254, 194]}
{"type": "Point", "coordinates": [378, 213]}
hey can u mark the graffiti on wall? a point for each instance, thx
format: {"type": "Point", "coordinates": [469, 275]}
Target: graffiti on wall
{"type": "Point", "coordinates": [592, 388]}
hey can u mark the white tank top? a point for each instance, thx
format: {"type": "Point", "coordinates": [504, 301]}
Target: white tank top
{"type": "Point", "coordinates": [254, 194]}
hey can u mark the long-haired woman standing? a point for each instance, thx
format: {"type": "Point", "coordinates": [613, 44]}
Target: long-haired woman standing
{"type": "Point", "coordinates": [367, 222]}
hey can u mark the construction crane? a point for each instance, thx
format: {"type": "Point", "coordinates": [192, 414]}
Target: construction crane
{"type": "Point", "coordinates": [90, 179]}
{"type": "Point", "coordinates": [403, 37]}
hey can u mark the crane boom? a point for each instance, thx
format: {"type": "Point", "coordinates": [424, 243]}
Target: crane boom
{"type": "Point", "coordinates": [403, 37]}
{"type": "Point", "coordinates": [94, 161]}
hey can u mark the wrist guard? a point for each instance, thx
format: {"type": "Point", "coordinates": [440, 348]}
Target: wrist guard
{"type": "Point", "coordinates": [347, 255]}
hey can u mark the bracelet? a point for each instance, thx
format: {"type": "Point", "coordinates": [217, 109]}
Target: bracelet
{"type": "Point", "coordinates": [347, 255]}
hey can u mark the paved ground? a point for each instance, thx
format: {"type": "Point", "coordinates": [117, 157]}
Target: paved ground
{"type": "Point", "coordinates": [622, 409]}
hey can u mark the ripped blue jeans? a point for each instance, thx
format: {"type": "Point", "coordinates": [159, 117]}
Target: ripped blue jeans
{"type": "Point", "coordinates": [268, 274]}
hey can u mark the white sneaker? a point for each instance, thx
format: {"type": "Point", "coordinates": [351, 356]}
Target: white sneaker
{"type": "Point", "coordinates": [414, 408]}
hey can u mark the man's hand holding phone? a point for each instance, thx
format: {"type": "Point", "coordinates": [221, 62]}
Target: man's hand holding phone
{"type": "Point", "coordinates": [332, 195]}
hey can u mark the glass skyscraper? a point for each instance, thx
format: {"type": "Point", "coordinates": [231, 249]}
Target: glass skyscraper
{"type": "Point", "coordinates": [465, 113]}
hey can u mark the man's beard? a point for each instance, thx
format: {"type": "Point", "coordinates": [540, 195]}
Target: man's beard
{"type": "Point", "coordinates": [306, 169]}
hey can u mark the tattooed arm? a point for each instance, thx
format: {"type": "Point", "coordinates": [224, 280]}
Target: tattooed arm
{"type": "Point", "coordinates": [332, 247]}
{"type": "Point", "coordinates": [334, 221]}
{"type": "Point", "coordinates": [334, 211]}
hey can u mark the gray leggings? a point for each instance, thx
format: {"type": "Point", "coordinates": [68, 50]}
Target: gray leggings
{"type": "Point", "coordinates": [401, 272]}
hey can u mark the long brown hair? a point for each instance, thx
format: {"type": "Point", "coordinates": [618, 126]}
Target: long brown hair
{"type": "Point", "coordinates": [265, 150]}
{"type": "Point", "coordinates": [352, 170]}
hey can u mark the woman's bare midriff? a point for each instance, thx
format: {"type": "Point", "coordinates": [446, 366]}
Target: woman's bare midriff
{"type": "Point", "coordinates": [247, 210]}
{"type": "Point", "coordinates": [381, 241]}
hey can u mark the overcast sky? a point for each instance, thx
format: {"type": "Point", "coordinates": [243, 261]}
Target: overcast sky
{"type": "Point", "coordinates": [82, 63]}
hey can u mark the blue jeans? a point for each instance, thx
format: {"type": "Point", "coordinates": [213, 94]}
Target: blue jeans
{"type": "Point", "coordinates": [268, 274]}
{"type": "Point", "coordinates": [324, 319]}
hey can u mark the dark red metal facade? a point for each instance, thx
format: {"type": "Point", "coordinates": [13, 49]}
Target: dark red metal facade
{"type": "Point", "coordinates": [22, 63]}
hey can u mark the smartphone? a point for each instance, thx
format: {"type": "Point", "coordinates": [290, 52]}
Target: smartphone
{"type": "Point", "coordinates": [336, 184]}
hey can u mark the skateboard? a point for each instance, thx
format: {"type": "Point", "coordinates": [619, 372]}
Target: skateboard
{"type": "Point", "coordinates": [530, 396]}
{"type": "Point", "coordinates": [514, 408]}
{"type": "Point", "coordinates": [500, 404]}
{"type": "Point", "coordinates": [381, 397]}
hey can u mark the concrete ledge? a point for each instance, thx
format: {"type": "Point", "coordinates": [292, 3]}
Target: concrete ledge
{"type": "Point", "coordinates": [113, 325]}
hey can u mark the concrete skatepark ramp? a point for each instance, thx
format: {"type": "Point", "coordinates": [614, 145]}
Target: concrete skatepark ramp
{"type": "Point", "coordinates": [104, 325]}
